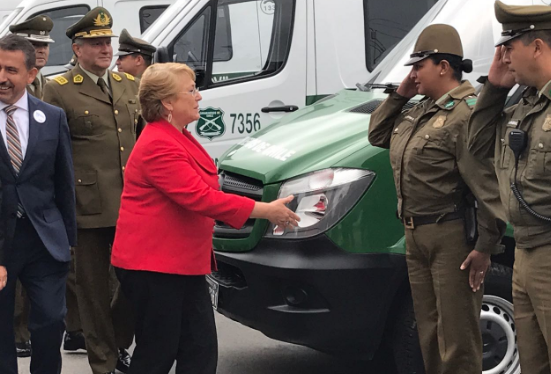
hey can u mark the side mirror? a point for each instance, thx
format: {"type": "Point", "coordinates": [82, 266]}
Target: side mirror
{"type": "Point", "coordinates": [162, 55]}
{"type": "Point", "coordinates": [200, 75]}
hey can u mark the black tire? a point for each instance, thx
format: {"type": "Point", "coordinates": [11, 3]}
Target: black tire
{"type": "Point", "coordinates": [497, 325]}
{"type": "Point", "coordinates": [404, 340]}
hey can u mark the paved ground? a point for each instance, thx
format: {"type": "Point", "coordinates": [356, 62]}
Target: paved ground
{"type": "Point", "coordinates": [245, 351]}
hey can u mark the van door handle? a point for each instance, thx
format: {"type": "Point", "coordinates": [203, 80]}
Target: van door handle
{"type": "Point", "coordinates": [285, 108]}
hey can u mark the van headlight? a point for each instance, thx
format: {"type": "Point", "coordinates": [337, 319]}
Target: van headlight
{"type": "Point", "coordinates": [322, 198]}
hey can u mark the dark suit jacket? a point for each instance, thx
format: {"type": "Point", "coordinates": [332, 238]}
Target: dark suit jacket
{"type": "Point", "coordinates": [45, 185]}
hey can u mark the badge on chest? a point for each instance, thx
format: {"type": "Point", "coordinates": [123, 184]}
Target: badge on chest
{"type": "Point", "coordinates": [439, 122]}
{"type": "Point", "coordinates": [547, 123]}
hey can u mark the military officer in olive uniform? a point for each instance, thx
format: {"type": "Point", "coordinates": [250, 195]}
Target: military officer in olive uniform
{"type": "Point", "coordinates": [103, 115]}
{"type": "Point", "coordinates": [37, 31]}
{"type": "Point", "coordinates": [135, 55]}
{"type": "Point", "coordinates": [523, 56]}
{"type": "Point", "coordinates": [435, 178]}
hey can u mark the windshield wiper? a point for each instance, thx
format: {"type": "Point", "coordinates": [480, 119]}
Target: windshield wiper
{"type": "Point", "coordinates": [387, 87]}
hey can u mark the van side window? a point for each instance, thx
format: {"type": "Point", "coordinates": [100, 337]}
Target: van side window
{"type": "Point", "coordinates": [249, 39]}
{"type": "Point", "coordinates": [148, 15]}
{"type": "Point", "coordinates": [387, 22]}
{"type": "Point", "coordinates": [191, 47]}
{"type": "Point", "coordinates": [62, 51]}
{"type": "Point", "coordinates": [255, 39]}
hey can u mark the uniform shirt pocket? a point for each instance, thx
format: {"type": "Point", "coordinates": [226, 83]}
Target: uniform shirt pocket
{"type": "Point", "coordinates": [84, 126]}
{"type": "Point", "coordinates": [88, 198]}
{"type": "Point", "coordinates": [539, 158]}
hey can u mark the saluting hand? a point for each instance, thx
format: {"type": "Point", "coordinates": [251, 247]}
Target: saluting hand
{"type": "Point", "coordinates": [499, 74]}
{"type": "Point", "coordinates": [407, 88]}
{"type": "Point", "coordinates": [3, 277]}
{"type": "Point", "coordinates": [478, 263]}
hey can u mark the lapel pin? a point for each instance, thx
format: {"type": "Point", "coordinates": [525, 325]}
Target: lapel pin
{"type": "Point", "coordinates": [39, 116]}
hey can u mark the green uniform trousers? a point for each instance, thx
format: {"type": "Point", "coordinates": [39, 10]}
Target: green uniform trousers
{"type": "Point", "coordinates": [532, 300]}
{"type": "Point", "coordinates": [22, 306]}
{"type": "Point", "coordinates": [446, 308]}
{"type": "Point", "coordinates": [107, 321]}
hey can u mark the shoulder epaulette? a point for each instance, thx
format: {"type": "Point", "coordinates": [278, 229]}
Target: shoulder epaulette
{"type": "Point", "coordinates": [61, 80]}
{"type": "Point", "coordinates": [129, 76]}
{"type": "Point", "coordinates": [471, 101]}
{"type": "Point", "coordinates": [116, 77]}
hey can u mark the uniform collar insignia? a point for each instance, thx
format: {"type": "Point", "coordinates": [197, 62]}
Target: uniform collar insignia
{"type": "Point", "coordinates": [78, 79]}
{"type": "Point", "coordinates": [117, 77]}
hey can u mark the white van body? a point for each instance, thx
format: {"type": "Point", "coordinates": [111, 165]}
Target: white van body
{"type": "Point", "coordinates": [257, 59]}
{"type": "Point", "coordinates": [134, 15]}
{"type": "Point", "coordinates": [6, 7]}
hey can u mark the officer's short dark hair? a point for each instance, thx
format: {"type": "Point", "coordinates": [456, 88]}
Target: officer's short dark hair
{"type": "Point", "coordinates": [13, 43]}
{"type": "Point", "coordinates": [530, 36]}
{"type": "Point", "coordinates": [147, 59]}
{"type": "Point", "coordinates": [457, 64]}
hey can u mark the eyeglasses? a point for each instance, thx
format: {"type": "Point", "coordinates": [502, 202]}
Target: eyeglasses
{"type": "Point", "coordinates": [192, 92]}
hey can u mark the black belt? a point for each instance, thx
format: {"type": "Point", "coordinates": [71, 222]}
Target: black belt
{"type": "Point", "coordinates": [412, 222]}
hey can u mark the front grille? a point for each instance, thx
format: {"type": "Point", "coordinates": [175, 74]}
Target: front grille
{"type": "Point", "coordinates": [242, 186]}
{"type": "Point", "coordinates": [371, 106]}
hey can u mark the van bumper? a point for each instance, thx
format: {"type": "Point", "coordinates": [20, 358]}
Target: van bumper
{"type": "Point", "coordinates": [312, 293]}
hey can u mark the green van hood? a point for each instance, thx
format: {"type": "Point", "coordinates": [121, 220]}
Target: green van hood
{"type": "Point", "coordinates": [313, 138]}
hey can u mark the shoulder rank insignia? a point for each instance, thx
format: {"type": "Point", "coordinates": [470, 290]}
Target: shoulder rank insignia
{"type": "Point", "coordinates": [449, 104]}
{"type": "Point", "coordinates": [471, 101]}
{"type": "Point", "coordinates": [78, 79]}
{"type": "Point", "coordinates": [439, 122]}
{"type": "Point", "coordinates": [61, 80]}
{"type": "Point", "coordinates": [117, 77]}
{"type": "Point", "coordinates": [547, 123]}
{"type": "Point", "coordinates": [129, 76]}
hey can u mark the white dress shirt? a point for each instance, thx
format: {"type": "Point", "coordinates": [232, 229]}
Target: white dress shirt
{"type": "Point", "coordinates": [21, 118]}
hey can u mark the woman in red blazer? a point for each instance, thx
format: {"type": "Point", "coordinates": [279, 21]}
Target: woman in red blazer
{"type": "Point", "coordinates": [163, 242]}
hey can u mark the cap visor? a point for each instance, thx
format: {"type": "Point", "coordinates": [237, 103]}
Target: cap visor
{"type": "Point", "coordinates": [415, 59]}
{"type": "Point", "coordinates": [505, 39]}
{"type": "Point", "coordinates": [97, 36]}
{"type": "Point", "coordinates": [123, 53]}
{"type": "Point", "coordinates": [37, 40]}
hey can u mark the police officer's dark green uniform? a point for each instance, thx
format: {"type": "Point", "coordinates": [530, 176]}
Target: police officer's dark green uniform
{"type": "Point", "coordinates": [525, 58]}
{"type": "Point", "coordinates": [434, 176]}
{"type": "Point", "coordinates": [135, 55]}
{"type": "Point", "coordinates": [37, 31]}
{"type": "Point", "coordinates": [103, 114]}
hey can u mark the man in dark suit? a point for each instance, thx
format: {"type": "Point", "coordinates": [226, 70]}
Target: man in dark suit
{"type": "Point", "coordinates": [38, 209]}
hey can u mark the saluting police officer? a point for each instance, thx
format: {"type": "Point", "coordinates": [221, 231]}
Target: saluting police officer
{"type": "Point", "coordinates": [103, 114]}
{"type": "Point", "coordinates": [135, 55]}
{"type": "Point", "coordinates": [37, 31]}
{"type": "Point", "coordinates": [435, 179]}
{"type": "Point", "coordinates": [519, 138]}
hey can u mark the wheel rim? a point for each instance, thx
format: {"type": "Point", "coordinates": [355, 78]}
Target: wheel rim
{"type": "Point", "coordinates": [497, 325]}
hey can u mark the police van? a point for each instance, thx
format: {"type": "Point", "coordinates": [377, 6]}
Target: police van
{"type": "Point", "coordinates": [338, 283]}
{"type": "Point", "coordinates": [257, 60]}
{"type": "Point", "coordinates": [134, 15]}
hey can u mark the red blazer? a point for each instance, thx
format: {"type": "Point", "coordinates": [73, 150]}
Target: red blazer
{"type": "Point", "coordinates": [169, 203]}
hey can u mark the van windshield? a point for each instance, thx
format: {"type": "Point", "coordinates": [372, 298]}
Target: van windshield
{"type": "Point", "coordinates": [474, 20]}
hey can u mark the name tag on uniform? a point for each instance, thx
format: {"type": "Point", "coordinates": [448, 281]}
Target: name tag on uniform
{"type": "Point", "coordinates": [131, 101]}
{"type": "Point", "coordinates": [512, 123]}
{"type": "Point", "coordinates": [410, 118]}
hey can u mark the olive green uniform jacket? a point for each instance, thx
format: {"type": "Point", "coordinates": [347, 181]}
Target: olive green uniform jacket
{"type": "Point", "coordinates": [103, 135]}
{"type": "Point", "coordinates": [489, 129]}
{"type": "Point", "coordinates": [433, 170]}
